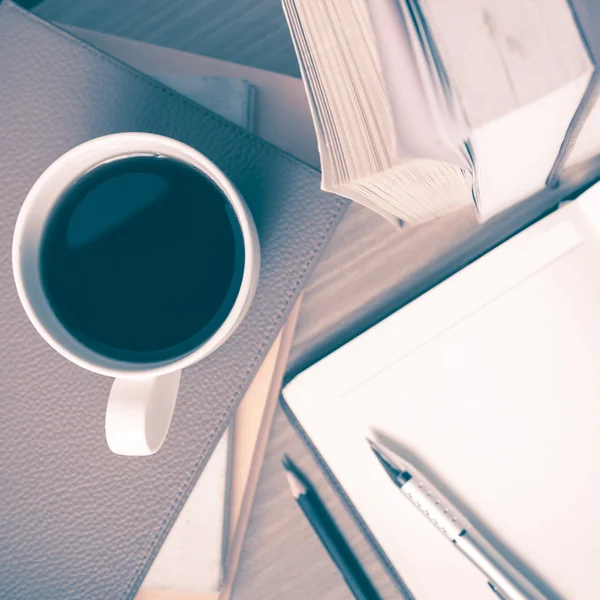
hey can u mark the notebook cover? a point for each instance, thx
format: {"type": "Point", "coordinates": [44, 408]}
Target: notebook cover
{"type": "Point", "coordinates": [75, 520]}
{"type": "Point", "coordinates": [240, 514]}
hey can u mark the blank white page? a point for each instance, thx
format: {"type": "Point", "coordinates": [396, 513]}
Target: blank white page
{"type": "Point", "coordinates": [492, 381]}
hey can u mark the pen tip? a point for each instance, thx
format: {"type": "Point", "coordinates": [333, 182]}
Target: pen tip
{"type": "Point", "coordinates": [383, 457]}
{"type": "Point", "coordinates": [376, 447]}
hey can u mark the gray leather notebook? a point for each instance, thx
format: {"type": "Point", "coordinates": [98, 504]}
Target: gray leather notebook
{"type": "Point", "coordinates": [75, 520]}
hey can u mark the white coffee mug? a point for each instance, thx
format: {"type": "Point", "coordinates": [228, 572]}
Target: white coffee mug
{"type": "Point", "coordinates": [142, 398]}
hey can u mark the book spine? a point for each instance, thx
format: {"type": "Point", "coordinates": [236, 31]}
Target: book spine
{"type": "Point", "coordinates": [587, 103]}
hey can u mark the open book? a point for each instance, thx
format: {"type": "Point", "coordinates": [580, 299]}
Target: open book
{"type": "Point", "coordinates": [422, 108]}
{"type": "Point", "coordinates": [488, 383]}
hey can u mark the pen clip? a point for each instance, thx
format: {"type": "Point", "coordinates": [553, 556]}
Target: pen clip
{"type": "Point", "coordinates": [497, 591]}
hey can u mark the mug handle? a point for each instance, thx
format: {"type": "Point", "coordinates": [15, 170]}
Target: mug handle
{"type": "Point", "coordinates": [139, 413]}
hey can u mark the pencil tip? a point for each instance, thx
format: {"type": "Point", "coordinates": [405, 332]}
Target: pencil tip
{"type": "Point", "coordinates": [295, 477]}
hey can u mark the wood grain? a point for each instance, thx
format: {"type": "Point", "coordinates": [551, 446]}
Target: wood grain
{"type": "Point", "coordinates": [250, 32]}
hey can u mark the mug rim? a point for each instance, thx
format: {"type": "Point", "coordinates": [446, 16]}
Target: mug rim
{"type": "Point", "coordinates": [87, 156]}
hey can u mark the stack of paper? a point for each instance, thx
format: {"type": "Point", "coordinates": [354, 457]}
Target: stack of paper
{"type": "Point", "coordinates": [422, 108]}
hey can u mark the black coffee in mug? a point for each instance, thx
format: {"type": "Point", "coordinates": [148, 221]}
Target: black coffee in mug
{"type": "Point", "coordinates": [142, 258]}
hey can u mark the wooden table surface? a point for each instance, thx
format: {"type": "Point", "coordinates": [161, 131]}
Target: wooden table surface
{"type": "Point", "coordinates": [250, 32]}
{"type": "Point", "coordinates": [369, 270]}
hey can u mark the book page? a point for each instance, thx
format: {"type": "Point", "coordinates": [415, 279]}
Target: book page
{"type": "Point", "coordinates": [420, 130]}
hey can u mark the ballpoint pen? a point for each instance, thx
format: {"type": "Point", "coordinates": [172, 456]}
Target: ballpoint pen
{"type": "Point", "coordinates": [504, 579]}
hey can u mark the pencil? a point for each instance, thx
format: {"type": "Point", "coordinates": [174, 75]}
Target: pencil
{"type": "Point", "coordinates": [331, 537]}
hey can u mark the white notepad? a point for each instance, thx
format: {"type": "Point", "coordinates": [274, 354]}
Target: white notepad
{"type": "Point", "coordinates": [492, 380]}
